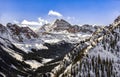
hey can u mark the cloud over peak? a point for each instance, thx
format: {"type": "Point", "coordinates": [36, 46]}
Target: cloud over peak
{"type": "Point", "coordinates": [39, 22]}
{"type": "Point", "coordinates": [34, 24]}
{"type": "Point", "coordinates": [25, 22]}
{"type": "Point", "coordinates": [54, 13]}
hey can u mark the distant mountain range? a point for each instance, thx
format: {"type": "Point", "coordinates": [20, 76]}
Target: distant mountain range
{"type": "Point", "coordinates": [59, 49]}
{"type": "Point", "coordinates": [15, 32]}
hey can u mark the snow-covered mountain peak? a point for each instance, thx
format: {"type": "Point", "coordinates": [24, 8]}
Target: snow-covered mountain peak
{"type": "Point", "coordinates": [61, 22]}
{"type": "Point", "coordinates": [57, 25]}
{"type": "Point", "coordinates": [13, 32]}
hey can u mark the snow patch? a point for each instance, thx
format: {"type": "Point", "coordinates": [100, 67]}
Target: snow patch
{"type": "Point", "coordinates": [44, 60]}
{"type": "Point", "coordinates": [52, 41]}
{"type": "Point", "coordinates": [27, 47]}
{"type": "Point", "coordinates": [33, 63]}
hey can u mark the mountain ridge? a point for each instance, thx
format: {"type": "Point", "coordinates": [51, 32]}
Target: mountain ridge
{"type": "Point", "coordinates": [70, 66]}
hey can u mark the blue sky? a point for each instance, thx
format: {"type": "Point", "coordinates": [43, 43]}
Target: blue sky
{"type": "Point", "coordinates": [101, 12]}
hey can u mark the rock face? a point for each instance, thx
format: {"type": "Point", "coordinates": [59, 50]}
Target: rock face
{"type": "Point", "coordinates": [61, 25]}
{"type": "Point", "coordinates": [57, 25]}
{"type": "Point", "coordinates": [21, 33]}
{"type": "Point", "coordinates": [16, 33]}
{"type": "Point", "coordinates": [2, 29]}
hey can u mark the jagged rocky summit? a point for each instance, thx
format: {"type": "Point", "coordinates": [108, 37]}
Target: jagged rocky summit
{"type": "Point", "coordinates": [62, 25]}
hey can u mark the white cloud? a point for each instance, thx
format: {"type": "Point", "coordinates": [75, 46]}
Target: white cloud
{"type": "Point", "coordinates": [54, 13]}
{"type": "Point", "coordinates": [25, 22]}
{"type": "Point", "coordinates": [34, 24]}
{"type": "Point", "coordinates": [31, 24]}
{"type": "Point", "coordinates": [39, 22]}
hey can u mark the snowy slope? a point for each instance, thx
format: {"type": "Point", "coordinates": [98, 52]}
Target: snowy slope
{"type": "Point", "coordinates": [98, 56]}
